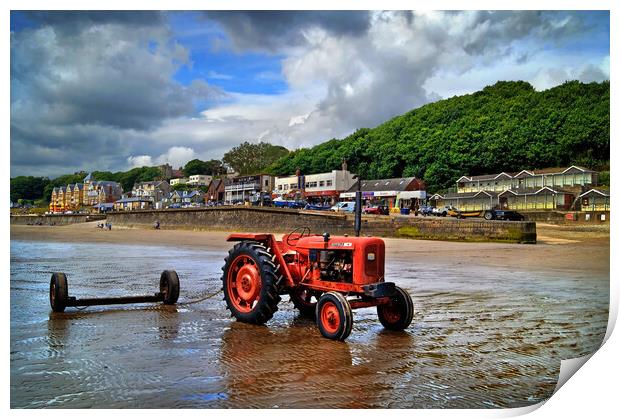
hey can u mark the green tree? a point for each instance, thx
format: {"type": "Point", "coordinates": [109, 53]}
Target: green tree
{"type": "Point", "coordinates": [196, 167]}
{"type": "Point", "coordinates": [199, 167]}
{"type": "Point", "coordinates": [28, 187]}
{"type": "Point", "coordinates": [505, 127]}
{"type": "Point", "coordinates": [248, 158]}
{"type": "Point", "coordinates": [180, 187]}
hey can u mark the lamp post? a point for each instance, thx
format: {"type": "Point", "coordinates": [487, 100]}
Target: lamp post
{"type": "Point", "coordinates": [358, 206]}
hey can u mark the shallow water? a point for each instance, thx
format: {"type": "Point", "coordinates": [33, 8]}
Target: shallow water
{"type": "Point", "coordinates": [481, 337]}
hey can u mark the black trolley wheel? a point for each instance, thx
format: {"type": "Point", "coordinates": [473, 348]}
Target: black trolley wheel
{"type": "Point", "coordinates": [169, 286]}
{"type": "Point", "coordinates": [59, 292]}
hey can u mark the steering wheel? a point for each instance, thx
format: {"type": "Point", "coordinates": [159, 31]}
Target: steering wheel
{"type": "Point", "coordinates": [304, 231]}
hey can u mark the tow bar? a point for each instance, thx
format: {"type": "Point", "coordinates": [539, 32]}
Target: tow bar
{"type": "Point", "coordinates": [59, 293]}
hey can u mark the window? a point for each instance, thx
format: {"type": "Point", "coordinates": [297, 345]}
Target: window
{"type": "Point", "coordinates": [328, 183]}
{"type": "Point", "coordinates": [322, 183]}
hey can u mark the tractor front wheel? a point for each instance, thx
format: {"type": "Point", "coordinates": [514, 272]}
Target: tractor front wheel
{"type": "Point", "coordinates": [250, 283]}
{"type": "Point", "coordinates": [334, 316]}
{"type": "Point", "coordinates": [398, 313]}
{"type": "Point", "coordinates": [305, 300]}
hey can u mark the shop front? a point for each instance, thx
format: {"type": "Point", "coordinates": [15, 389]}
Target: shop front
{"type": "Point", "coordinates": [321, 197]}
{"type": "Point", "coordinates": [373, 198]}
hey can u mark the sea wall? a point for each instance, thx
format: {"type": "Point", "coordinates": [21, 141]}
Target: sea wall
{"type": "Point", "coordinates": [252, 219]}
{"type": "Point", "coordinates": [568, 217]}
{"type": "Point", "coordinates": [54, 219]}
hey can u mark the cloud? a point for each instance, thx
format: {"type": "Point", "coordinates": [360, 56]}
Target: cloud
{"type": "Point", "coordinates": [98, 91]}
{"type": "Point", "coordinates": [175, 156]}
{"type": "Point", "coordinates": [83, 85]}
{"type": "Point", "coordinates": [139, 161]}
{"type": "Point", "coordinates": [72, 22]}
{"type": "Point", "coordinates": [104, 75]}
{"type": "Point", "coordinates": [271, 30]}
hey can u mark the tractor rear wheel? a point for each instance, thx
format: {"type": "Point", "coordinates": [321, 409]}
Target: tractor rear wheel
{"type": "Point", "coordinates": [169, 286]}
{"type": "Point", "coordinates": [305, 300]}
{"type": "Point", "coordinates": [250, 283]}
{"type": "Point", "coordinates": [334, 316]}
{"type": "Point", "coordinates": [398, 313]}
{"type": "Point", "coordinates": [59, 292]}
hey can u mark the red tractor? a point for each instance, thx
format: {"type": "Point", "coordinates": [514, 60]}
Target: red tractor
{"type": "Point", "coordinates": [324, 276]}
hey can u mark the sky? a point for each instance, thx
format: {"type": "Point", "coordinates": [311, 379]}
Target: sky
{"type": "Point", "coordinates": [98, 90]}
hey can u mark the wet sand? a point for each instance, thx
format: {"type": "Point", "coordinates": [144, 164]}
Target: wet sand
{"type": "Point", "coordinates": [492, 323]}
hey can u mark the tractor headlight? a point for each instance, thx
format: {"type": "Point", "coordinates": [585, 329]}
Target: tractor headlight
{"type": "Point", "coordinates": [371, 256]}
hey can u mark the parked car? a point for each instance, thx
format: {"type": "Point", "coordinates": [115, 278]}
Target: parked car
{"type": "Point", "coordinates": [281, 203]}
{"type": "Point", "coordinates": [443, 211]}
{"type": "Point", "coordinates": [372, 209]}
{"type": "Point", "coordinates": [426, 210]}
{"type": "Point", "coordinates": [317, 207]}
{"type": "Point", "coordinates": [347, 206]}
{"type": "Point", "coordinates": [376, 209]}
{"type": "Point", "coordinates": [509, 215]}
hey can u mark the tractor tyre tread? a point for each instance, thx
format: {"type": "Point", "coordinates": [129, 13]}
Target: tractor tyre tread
{"type": "Point", "coordinates": [305, 309]}
{"type": "Point", "coordinates": [345, 312]}
{"type": "Point", "coordinates": [267, 304]}
{"type": "Point", "coordinates": [406, 308]}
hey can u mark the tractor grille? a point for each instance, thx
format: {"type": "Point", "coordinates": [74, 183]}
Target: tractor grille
{"type": "Point", "coordinates": [371, 261]}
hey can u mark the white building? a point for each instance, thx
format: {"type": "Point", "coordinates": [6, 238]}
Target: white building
{"type": "Point", "coordinates": [319, 186]}
{"type": "Point", "coordinates": [246, 188]}
{"type": "Point", "coordinates": [179, 181]}
{"type": "Point", "coordinates": [200, 180]}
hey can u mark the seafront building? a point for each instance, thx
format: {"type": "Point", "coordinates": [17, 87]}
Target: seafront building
{"type": "Point", "coordinates": [178, 181]}
{"type": "Point", "coordinates": [154, 190]}
{"type": "Point", "coordinates": [539, 189]}
{"type": "Point", "coordinates": [402, 192]}
{"type": "Point", "coordinates": [247, 188]}
{"type": "Point", "coordinates": [133, 203]}
{"type": "Point", "coordinates": [216, 190]}
{"type": "Point", "coordinates": [199, 180]}
{"type": "Point", "coordinates": [314, 188]}
{"type": "Point", "coordinates": [595, 200]}
{"type": "Point", "coordinates": [89, 194]}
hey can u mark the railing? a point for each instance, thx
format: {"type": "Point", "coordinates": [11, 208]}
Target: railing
{"type": "Point", "coordinates": [242, 187]}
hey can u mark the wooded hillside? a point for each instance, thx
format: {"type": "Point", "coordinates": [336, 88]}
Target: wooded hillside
{"type": "Point", "coordinates": [505, 127]}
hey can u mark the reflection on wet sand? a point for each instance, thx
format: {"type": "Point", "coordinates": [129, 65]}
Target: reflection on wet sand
{"type": "Point", "coordinates": [481, 337]}
{"type": "Point", "coordinates": [263, 367]}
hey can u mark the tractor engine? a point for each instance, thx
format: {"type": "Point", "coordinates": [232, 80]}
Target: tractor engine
{"type": "Point", "coordinates": [334, 265]}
